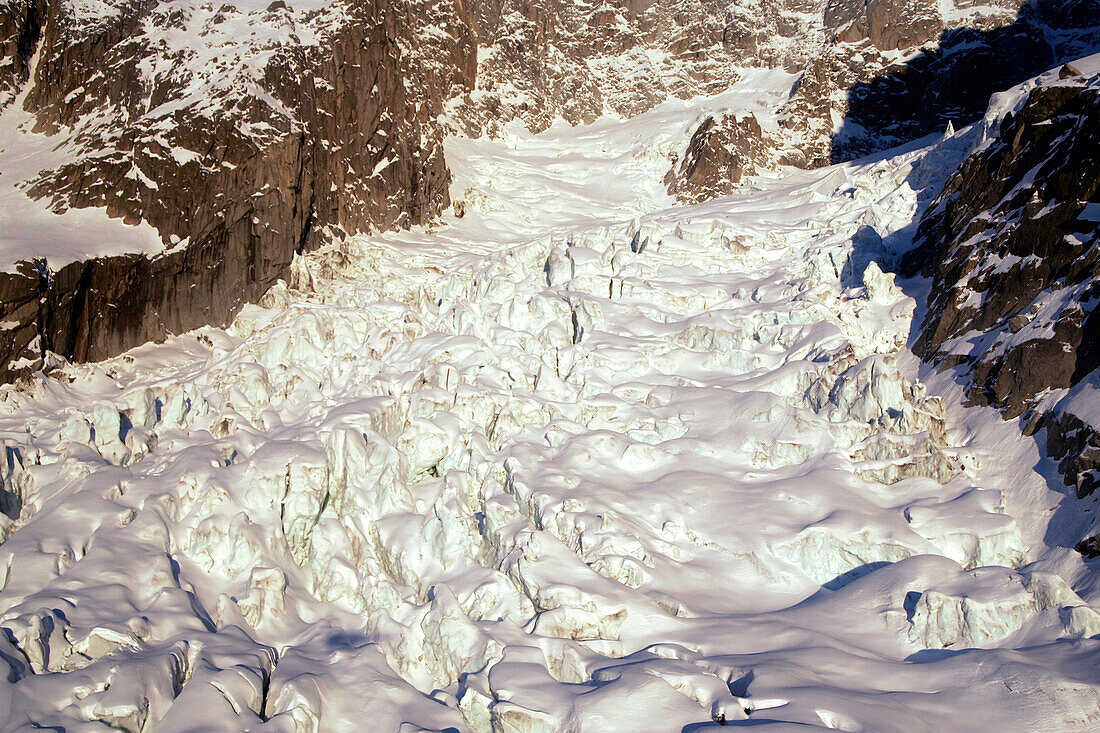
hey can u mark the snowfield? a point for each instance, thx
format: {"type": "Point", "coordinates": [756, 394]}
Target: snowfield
{"type": "Point", "coordinates": [576, 461]}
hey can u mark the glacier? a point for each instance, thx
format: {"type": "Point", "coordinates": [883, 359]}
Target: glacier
{"type": "Point", "coordinates": [575, 460]}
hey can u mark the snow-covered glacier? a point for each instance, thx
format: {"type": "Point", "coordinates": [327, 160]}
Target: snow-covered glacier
{"type": "Point", "coordinates": [575, 460]}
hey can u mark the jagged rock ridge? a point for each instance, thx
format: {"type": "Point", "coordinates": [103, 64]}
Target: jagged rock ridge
{"type": "Point", "coordinates": [1010, 244]}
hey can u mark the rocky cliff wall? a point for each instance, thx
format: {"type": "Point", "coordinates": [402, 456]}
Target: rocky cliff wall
{"type": "Point", "coordinates": [577, 60]}
{"type": "Point", "coordinates": [242, 136]}
{"type": "Point", "coordinates": [874, 75]}
{"type": "Point", "coordinates": [1012, 244]}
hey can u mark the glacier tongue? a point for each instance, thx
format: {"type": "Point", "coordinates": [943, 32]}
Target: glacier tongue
{"type": "Point", "coordinates": [640, 469]}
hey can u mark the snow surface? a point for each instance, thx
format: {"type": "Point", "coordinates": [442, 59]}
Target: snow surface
{"type": "Point", "coordinates": [574, 462]}
{"type": "Point", "coordinates": [1083, 400]}
{"type": "Point", "coordinates": [29, 229]}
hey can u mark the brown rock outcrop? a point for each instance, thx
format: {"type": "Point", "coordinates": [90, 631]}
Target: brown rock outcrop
{"type": "Point", "coordinates": [894, 24]}
{"type": "Point", "coordinates": [576, 61]}
{"type": "Point", "coordinates": [857, 97]}
{"type": "Point", "coordinates": [722, 150]}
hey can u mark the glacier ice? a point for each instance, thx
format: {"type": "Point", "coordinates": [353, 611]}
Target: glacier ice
{"type": "Point", "coordinates": [640, 469]}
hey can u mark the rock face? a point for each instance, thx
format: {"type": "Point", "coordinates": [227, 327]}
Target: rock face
{"type": "Point", "coordinates": [1010, 243]}
{"type": "Point", "coordinates": [20, 28]}
{"type": "Point", "coordinates": [858, 95]}
{"type": "Point", "coordinates": [721, 151]}
{"type": "Point", "coordinates": [891, 24]}
{"type": "Point", "coordinates": [241, 136]}
{"type": "Point", "coordinates": [21, 306]}
{"type": "Point", "coordinates": [1075, 14]}
{"type": "Point", "coordinates": [948, 82]}
{"type": "Point", "coordinates": [1013, 246]}
{"type": "Point", "coordinates": [579, 60]}
{"type": "Point", "coordinates": [1076, 446]}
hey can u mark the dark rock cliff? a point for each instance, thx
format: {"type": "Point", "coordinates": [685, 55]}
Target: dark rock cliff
{"type": "Point", "coordinates": [881, 73]}
{"type": "Point", "coordinates": [1013, 246]}
{"type": "Point", "coordinates": [951, 82]}
{"type": "Point", "coordinates": [237, 163]}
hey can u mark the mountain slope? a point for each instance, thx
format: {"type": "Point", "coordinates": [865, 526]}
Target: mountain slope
{"type": "Point", "coordinates": [209, 144]}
